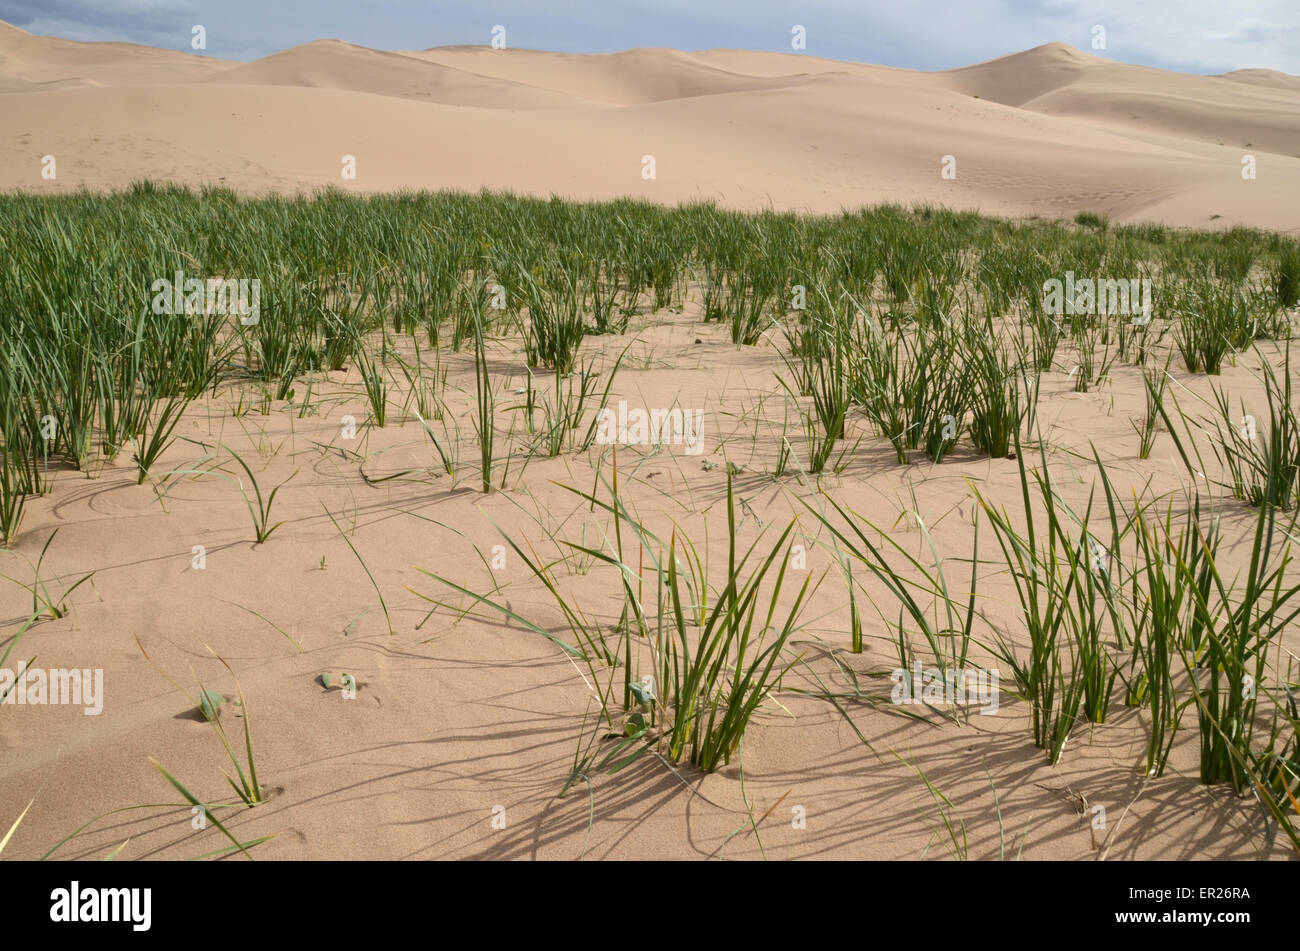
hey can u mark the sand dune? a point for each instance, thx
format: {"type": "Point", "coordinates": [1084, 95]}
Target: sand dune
{"type": "Point", "coordinates": [1263, 77]}
{"type": "Point", "coordinates": [1048, 131]}
{"type": "Point", "coordinates": [44, 59]}
{"type": "Point", "coordinates": [793, 64]}
{"type": "Point", "coordinates": [1060, 81]}
{"type": "Point", "coordinates": [1021, 77]}
{"type": "Point", "coordinates": [332, 64]}
{"type": "Point", "coordinates": [629, 78]}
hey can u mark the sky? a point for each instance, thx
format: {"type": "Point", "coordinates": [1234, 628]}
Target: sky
{"type": "Point", "coordinates": [1198, 36]}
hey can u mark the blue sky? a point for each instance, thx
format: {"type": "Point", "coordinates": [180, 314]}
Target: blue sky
{"type": "Point", "coordinates": [1203, 36]}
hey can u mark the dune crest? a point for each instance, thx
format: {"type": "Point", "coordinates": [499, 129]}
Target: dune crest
{"type": "Point", "coordinates": [334, 64]}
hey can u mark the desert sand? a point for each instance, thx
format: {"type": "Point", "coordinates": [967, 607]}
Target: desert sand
{"type": "Point", "coordinates": [1048, 131]}
{"type": "Point", "coordinates": [455, 717]}
{"type": "Point", "coordinates": [458, 721]}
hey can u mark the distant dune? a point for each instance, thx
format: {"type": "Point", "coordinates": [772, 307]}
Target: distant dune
{"type": "Point", "coordinates": [1049, 131]}
{"type": "Point", "coordinates": [332, 64]}
{"type": "Point", "coordinates": [1263, 77]}
{"type": "Point", "coordinates": [633, 77]}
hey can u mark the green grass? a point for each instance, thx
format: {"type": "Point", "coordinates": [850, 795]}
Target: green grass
{"type": "Point", "coordinates": [823, 369]}
{"type": "Point", "coordinates": [83, 347]}
{"type": "Point", "coordinates": [153, 441]}
{"type": "Point", "coordinates": [1261, 453]}
{"type": "Point", "coordinates": [1243, 621]}
{"type": "Point", "coordinates": [719, 680]}
{"type": "Point", "coordinates": [925, 600]}
{"type": "Point", "coordinates": [1285, 274]}
{"type": "Point", "coordinates": [43, 603]}
{"type": "Point", "coordinates": [712, 663]}
{"type": "Point", "coordinates": [1215, 319]}
{"type": "Point", "coordinates": [366, 568]}
{"type": "Point", "coordinates": [263, 528]}
{"type": "Point", "coordinates": [1155, 384]}
{"type": "Point", "coordinates": [926, 325]}
{"type": "Point", "coordinates": [998, 407]}
{"type": "Point", "coordinates": [485, 423]}
{"type": "Point", "coordinates": [248, 790]}
{"type": "Point", "coordinates": [1088, 219]}
{"type": "Point", "coordinates": [556, 321]}
{"type": "Point", "coordinates": [1164, 619]}
{"type": "Point", "coordinates": [1062, 581]}
{"type": "Point", "coordinates": [375, 381]}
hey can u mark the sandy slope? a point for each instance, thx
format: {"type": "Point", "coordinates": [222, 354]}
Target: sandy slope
{"type": "Point", "coordinates": [1048, 131]}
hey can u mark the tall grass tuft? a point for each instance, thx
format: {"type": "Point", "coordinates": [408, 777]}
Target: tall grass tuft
{"type": "Point", "coordinates": [1262, 455]}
